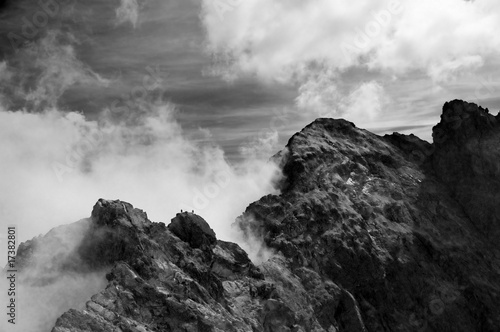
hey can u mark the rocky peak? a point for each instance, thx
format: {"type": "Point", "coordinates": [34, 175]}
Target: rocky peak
{"type": "Point", "coordinates": [466, 143]}
{"type": "Point", "coordinates": [369, 233]}
{"type": "Point", "coordinates": [467, 159]}
{"type": "Point", "coordinates": [401, 225]}
{"type": "Point", "coordinates": [338, 127]}
{"type": "Point", "coordinates": [328, 141]}
{"type": "Point", "coordinates": [113, 213]}
{"type": "Point", "coordinates": [462, 121]}
{"type": "Point", "coordinates": [193, 229]}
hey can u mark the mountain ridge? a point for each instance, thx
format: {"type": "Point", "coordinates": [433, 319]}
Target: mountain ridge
{"type": "Point", "coordinates": [369, 233]}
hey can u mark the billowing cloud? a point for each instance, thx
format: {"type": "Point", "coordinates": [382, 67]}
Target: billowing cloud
{"type": "Point", "coordinates": [316, 44]}
{"type": "Point", "coordinates": [365, 103]}
{"type": "Point", "coordinates": [58, 164]}
{"type": "Point", "coordinates": [55, 165]}
{"type": "Point", "coordinates": [128, 12]}
{"type": "Point", "coordinates": [277, 40]}
{"type": "Point", "coordinates": [319, 94]}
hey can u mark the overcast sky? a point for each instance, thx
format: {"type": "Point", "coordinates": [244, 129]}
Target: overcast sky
{"type": "Point", "coordinates": [152, 101]}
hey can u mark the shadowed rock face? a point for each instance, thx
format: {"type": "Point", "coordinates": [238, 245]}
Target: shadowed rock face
{"type": "Point", "coordinates": [370, 233]}
{"type": "Point", "coordinates": [405, 227]}
{"type": "Point", "coordinates": [467, 159]}
{"type": "Point", "coordinates": [193, 230]}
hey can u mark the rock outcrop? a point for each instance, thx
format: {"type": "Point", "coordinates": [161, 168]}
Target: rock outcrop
{"type": "Point", "coordinates": [181, 278]}
{"type": "Point", "coordinates": [467, 159]}
{"type": "Point", "coordinates": [406, 228]}
{"type": "Point", "coordinates": [369, 233]}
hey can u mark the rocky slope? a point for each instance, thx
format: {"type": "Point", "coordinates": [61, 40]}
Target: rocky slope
{"type": "Point", "coordinates": [406, 227]}
{"type": "Point", "coordinates": [369, 233]}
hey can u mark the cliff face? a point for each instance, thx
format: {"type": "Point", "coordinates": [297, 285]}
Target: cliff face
{"type": "Point", "coordinates": [408, 228]}
{"type": "Point", "coordinates": [369, 233]}
{"type": "Point", "coordinates": [467, 160]}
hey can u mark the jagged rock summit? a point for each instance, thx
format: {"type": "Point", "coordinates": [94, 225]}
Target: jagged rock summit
{"type": "Point", "coordinates": [162, 280]}
{"type": "Point", "coordinates": [369, 233]}
{"type": "Point", "coordinates": [467, 160]}
{"type": "Point", "coordinates": [193, 229]}
{"type": "Point", "coordinates": [405, 226]}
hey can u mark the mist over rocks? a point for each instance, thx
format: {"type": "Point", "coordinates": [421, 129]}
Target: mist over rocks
{"type": "Point", "coordinates": [368, 233]}
{"type": "Point", "coordinates": [53, 277]}
{"type": "Point", "coordinates": [181, 277]}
